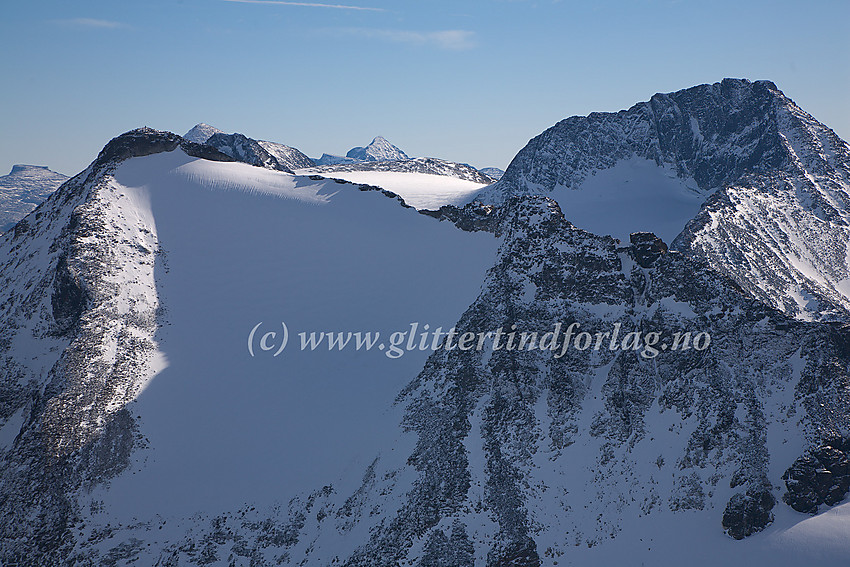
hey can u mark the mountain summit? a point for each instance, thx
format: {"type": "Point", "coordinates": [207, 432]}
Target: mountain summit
{"type": "Point", "coordinates": [378, 150]}
{"type": "Point", "coordinates": [734, 173]}
{"type": "Point", "coordinates": [200, 133]}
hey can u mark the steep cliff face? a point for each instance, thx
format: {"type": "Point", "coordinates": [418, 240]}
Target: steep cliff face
{"type": "Point", "coordinates": [761, 185]}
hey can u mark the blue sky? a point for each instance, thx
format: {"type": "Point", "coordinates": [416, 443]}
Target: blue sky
{"type": "Point", "coordinates": [467, 81]}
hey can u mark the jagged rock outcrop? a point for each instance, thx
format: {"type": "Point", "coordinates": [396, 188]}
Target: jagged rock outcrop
{"type": "Point", "coordinates": [647, 248]}
{"type": "Point", "coordinates": [821, 476]}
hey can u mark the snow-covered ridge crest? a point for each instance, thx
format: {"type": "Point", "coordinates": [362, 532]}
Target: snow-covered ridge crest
{"type": "Point", "coordinates": [77, 331]}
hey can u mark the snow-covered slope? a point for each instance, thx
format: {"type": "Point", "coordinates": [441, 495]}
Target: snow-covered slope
{"type": "Point", "coordinates": [243, 148]}
{"type": "Point", "coordinates": [423, 183]}
{"type": "Point", "coordinates": [139, 429]}
{"type": "Point", "coordinates": [200, 133]}
{"type": "Point", "coordinates": [24, 189]}
{"type": "Point", "coordinates": [287, 155]}
{"type": "Point", "coordinates": [130, 300]}
{"type": "Point", "coordinates": [246, 150]}
{"type": "Point", "coordinates": [774, 185]}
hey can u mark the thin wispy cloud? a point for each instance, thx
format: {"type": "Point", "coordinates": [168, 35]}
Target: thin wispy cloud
{"type": "Point", "coordinates": [91, 23]}
{"type": "Point", "coordinates": [309, 5]}
{"type": "Point", "coordinates": [454, 40]}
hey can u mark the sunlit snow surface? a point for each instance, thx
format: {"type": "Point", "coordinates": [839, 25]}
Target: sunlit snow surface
{"type": "Point", "coordinates": [421, 191]}
{"type": "Point", "coordinates": [244, 245]}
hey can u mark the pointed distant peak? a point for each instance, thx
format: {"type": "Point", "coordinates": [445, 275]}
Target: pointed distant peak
{"type": "Point", "coordinates": [201, 132]}
{"type": "Point", "coordinates": [380, 149]}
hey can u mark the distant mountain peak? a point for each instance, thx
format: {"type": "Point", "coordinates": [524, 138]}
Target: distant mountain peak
{"type": "Point", "coordinates": [23, 189]}
{"type": "Point", "coordinates": [201, 132]}
{"type": "Point", "coordinates": [380, 149]}
{"type": "Point", "coordinates": [22, 167]}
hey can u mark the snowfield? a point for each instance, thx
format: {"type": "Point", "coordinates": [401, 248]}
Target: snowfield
{"type": "Point", "coordinates": [243, 245]}
{"type": "Point", "coordinates": [421, 191]}
{"type": "Point", "coordinates": [632, 196]}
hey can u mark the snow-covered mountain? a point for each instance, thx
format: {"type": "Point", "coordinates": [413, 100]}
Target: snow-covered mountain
{"type": "Point", "coordinates": [492, 172]}
{"type": "Point", "coordinates": [242, 148]}
{"type": "Point", "coordinates": [291, 157]}
{"type": "Point", "coordinates": [330, 159]}
{"type": "Point", "coordinates": [146, 419]}
{"type": "Point", "coordinates": [423, 183]}
{"type": "Point", "coordinates": [200, 133]}
{"type": "Point", "coordinates": [379, 149]}
{"type": "Point", "coordinates": [24, 189]}
{"type": "Point", "coordinates": [761, 185]}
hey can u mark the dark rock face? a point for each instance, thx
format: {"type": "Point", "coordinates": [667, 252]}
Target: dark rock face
{"type": "Point", "coordinates": [68, 299]}
{"type": "Point", "coordinates": [646, 248]}
{"type": "Point", "coordinates": [821, 476]}
{"type": "Point", "coordinates": [472, 217]}
{"type": "Point", "coordinates": [147, 141]}
{"type": "Point", "coordinates": [669, 128]}
{"type": "Point", "coordinates": [748, 513]}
